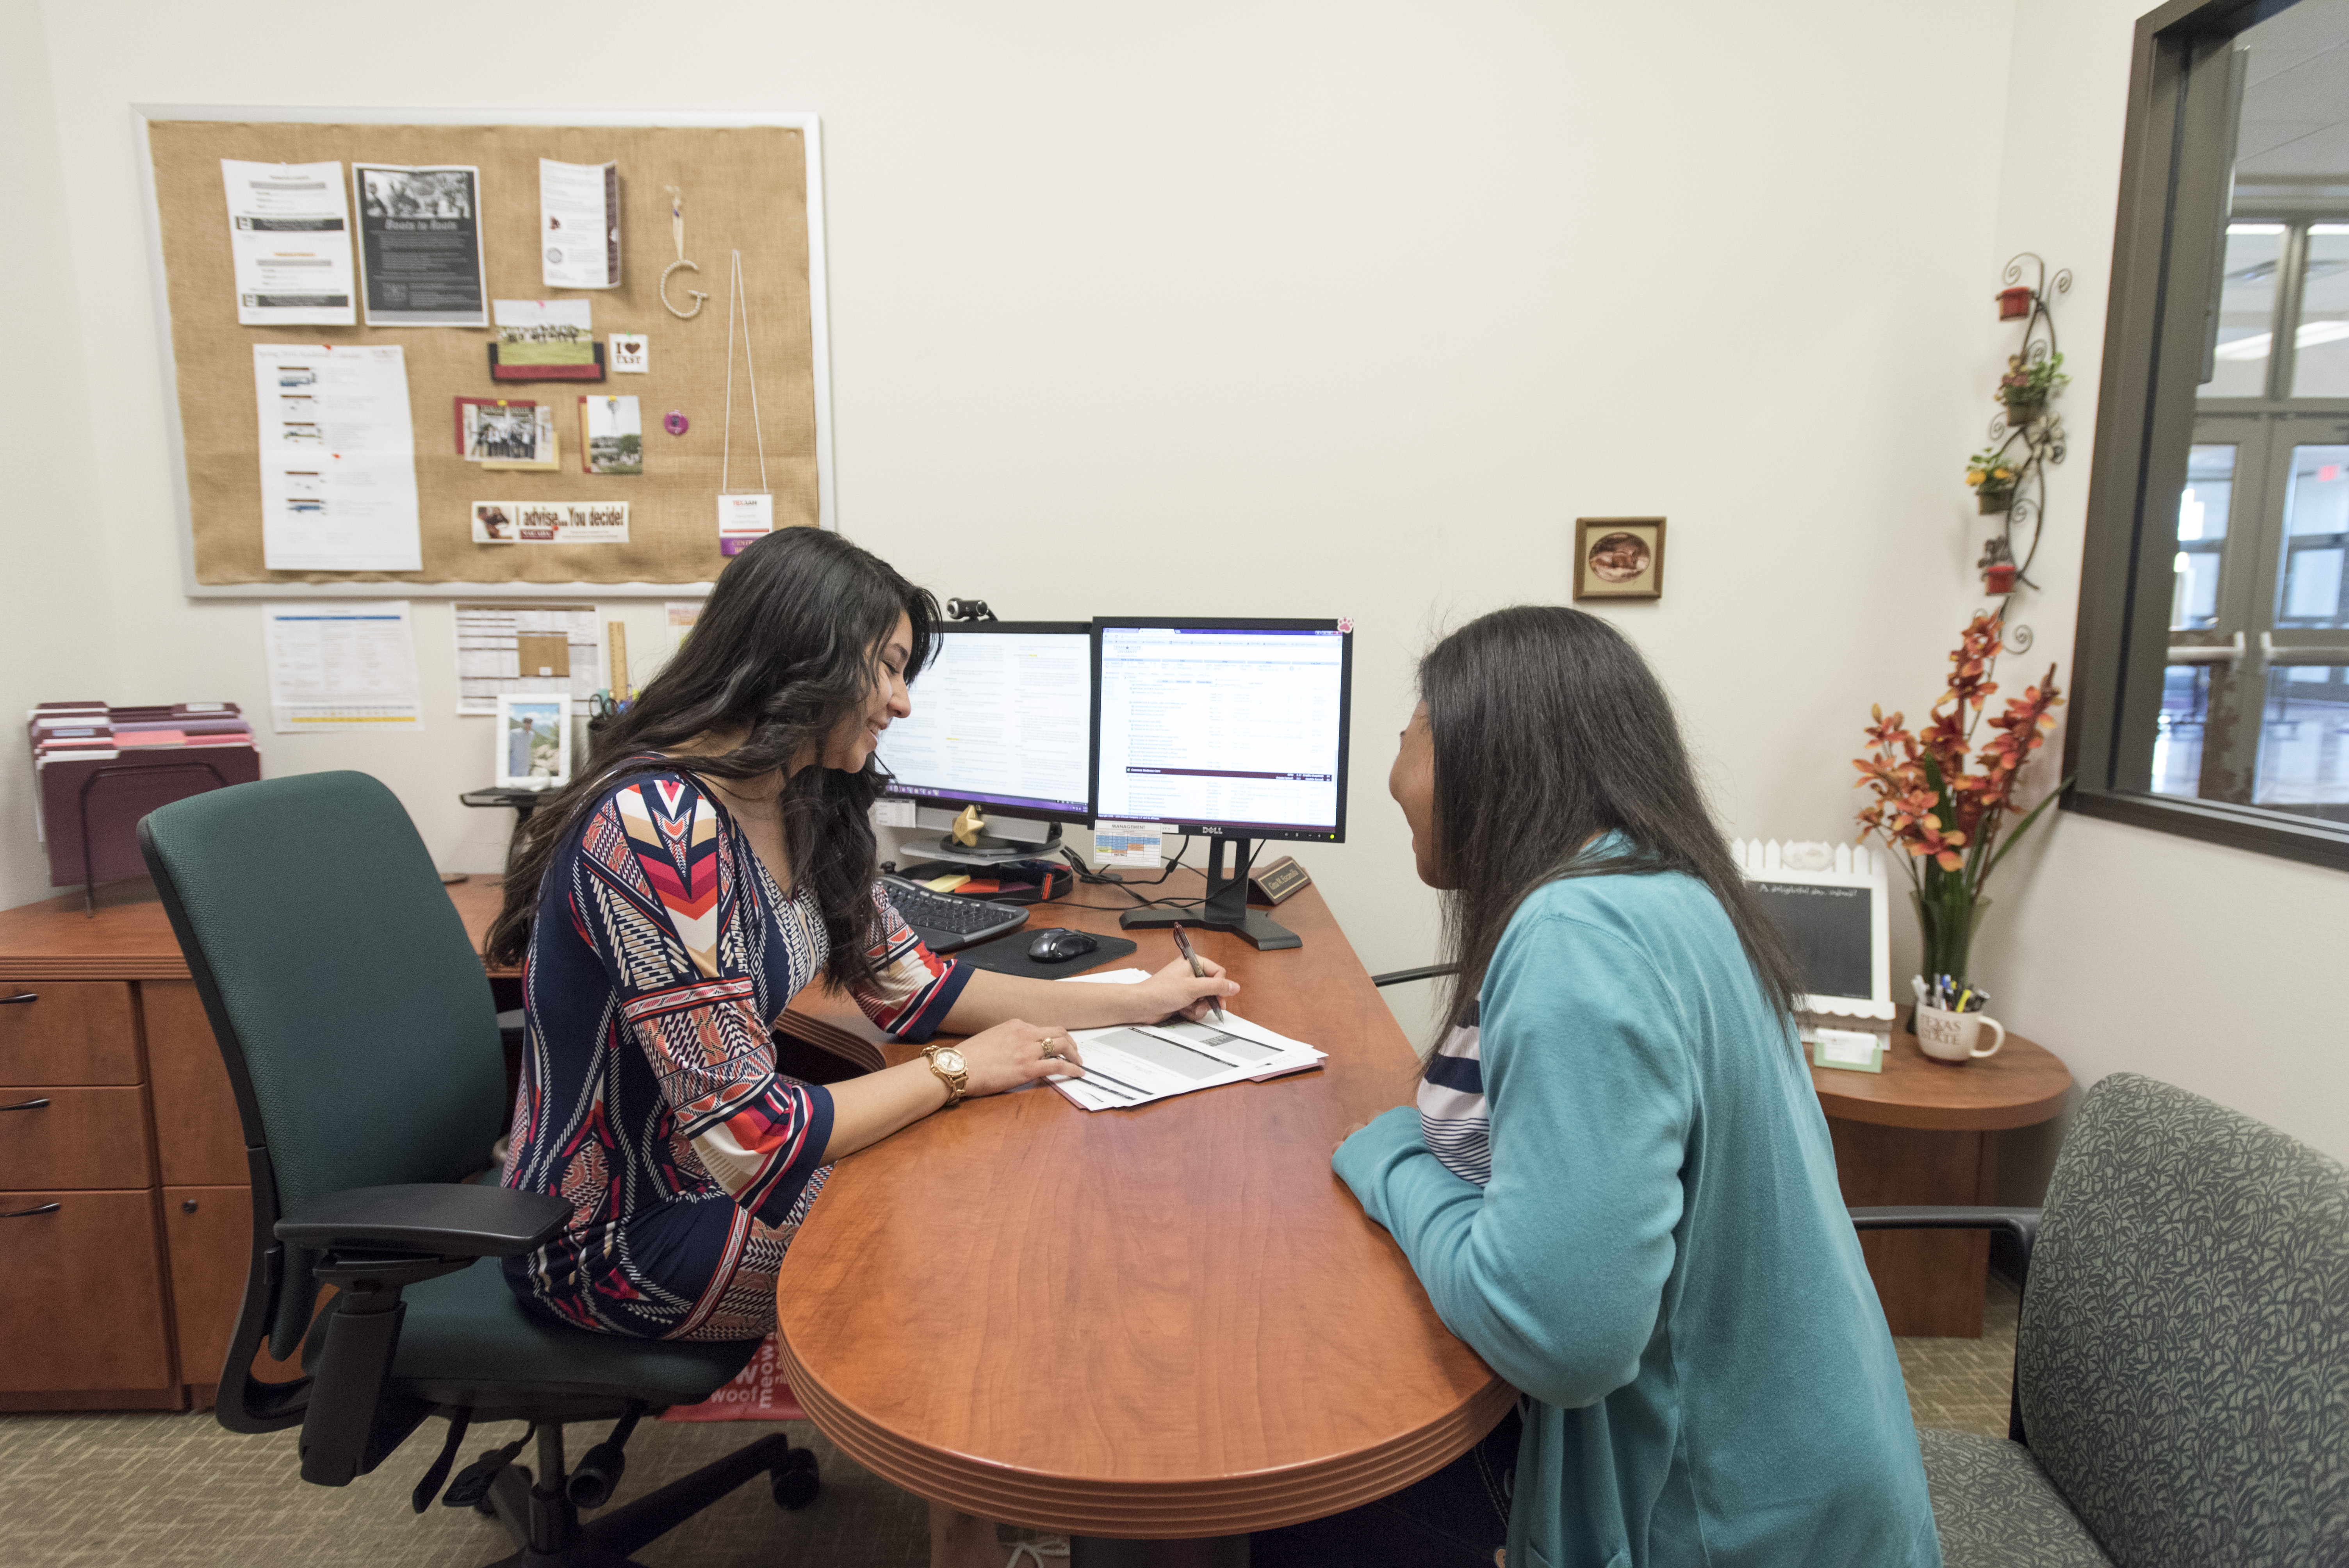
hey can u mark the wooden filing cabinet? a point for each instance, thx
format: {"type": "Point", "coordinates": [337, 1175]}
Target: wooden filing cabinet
{"type": "Point", "coordinates": [126, 1217]}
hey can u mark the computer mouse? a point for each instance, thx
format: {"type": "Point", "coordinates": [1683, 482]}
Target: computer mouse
{"type": "Point", "coordinates": [1058, 947]}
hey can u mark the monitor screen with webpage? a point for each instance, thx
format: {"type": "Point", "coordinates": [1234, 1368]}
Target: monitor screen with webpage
{"type": "Point", "coordinates": [1228, 727]}
{"type": "Point", "coordinates": [1002, 720]}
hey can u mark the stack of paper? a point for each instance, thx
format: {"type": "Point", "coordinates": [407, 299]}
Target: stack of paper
{"type": "Point", "coordinates": [1135, 1064]}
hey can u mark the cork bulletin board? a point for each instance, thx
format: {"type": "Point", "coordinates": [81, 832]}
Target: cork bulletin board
{"type": "Point", "coordinates": [750, 183]}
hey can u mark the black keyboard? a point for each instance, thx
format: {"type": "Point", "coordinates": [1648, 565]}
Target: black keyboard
{"type": "Point", "coordinates": [944, 922]}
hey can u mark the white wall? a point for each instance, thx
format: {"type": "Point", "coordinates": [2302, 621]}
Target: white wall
{"type": "Point", "coordinates": [2123, 949]}
{"type": "Point", "coordinates": [56, 641]}
{"type": "Point", "coordinates": [1302, 309]}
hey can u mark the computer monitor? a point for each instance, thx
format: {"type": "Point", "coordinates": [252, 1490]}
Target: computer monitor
{"type": "Point", "coordinates": [1232, 729]}
{"type": "Point", "coordinates": [1002, 720]}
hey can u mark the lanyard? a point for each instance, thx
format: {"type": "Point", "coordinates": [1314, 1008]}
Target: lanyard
{"type": "Point", "coordinates": [737, 295]}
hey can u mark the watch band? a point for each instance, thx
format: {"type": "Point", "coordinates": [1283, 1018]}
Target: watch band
{"type": "Point", "coordinates": [955, 1082]}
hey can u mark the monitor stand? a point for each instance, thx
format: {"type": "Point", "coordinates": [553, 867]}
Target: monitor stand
{"type": "Point", "coordinates": [988, 852]}
{"type": "Point", "coordinates": [1226, 907]}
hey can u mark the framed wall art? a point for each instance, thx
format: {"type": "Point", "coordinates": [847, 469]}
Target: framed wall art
{"type": "Point", "coordinates": [1618, 558]}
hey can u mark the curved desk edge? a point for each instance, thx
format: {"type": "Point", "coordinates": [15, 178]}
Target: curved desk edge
{"type": "Point", "coordinates": [1205, 1506]}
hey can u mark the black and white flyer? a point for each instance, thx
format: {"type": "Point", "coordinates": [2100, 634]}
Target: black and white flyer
{"type": "Point", "coordinates": [420, 245]}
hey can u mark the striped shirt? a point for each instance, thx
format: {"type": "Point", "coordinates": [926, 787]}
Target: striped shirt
{"type": "Point", "coordinates": [1453, 1117]}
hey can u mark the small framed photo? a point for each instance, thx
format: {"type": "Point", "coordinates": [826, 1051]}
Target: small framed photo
{"type": "Point", "coordinates": [533, 742]}
{"type": "Point", "coordinates": [1618, 558]}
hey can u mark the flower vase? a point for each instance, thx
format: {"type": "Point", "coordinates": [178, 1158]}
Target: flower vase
{"type": "Point", "coordinates": [1949, 923]}
{"type": "Point", "coordinates": [2021, 412]}
{"type": "Point", "coordinates": [1991, 498]}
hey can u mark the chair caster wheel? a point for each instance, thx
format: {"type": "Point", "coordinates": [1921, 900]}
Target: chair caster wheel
{"type": "Point", "coordinates": [796, 1482]}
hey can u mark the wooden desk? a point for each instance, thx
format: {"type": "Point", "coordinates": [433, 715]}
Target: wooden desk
{"type": "Point", "coordinates": [126, 1290]}
{"type": "Point", "coordinates": [1919, 1132]}
{"type": "Point", "coordinates": [1161, 1322]}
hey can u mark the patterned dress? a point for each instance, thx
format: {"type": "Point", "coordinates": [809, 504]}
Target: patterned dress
{"type": "Point", "coordinates": [662, 952]}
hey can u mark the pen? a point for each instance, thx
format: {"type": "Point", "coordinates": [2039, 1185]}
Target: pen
{"type": "Point", "coordinates": [1198, 970]}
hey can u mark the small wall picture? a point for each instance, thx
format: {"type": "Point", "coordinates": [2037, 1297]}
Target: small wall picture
{"type": "Point", "coordinates": [1618, 558]}
{"type": "Point", "coordinates": [533, 742]}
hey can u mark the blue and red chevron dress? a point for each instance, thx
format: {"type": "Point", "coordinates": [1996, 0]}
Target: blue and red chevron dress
{"type": "Point", "coordinates": [662, 952]}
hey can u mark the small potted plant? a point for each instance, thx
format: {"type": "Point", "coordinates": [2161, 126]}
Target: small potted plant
{"type": "Point", "coordinates": [2025, 389]}
{"type": "Point", "coordinates": [1992, 475]}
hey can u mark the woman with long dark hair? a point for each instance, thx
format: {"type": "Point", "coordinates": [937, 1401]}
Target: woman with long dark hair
{"type": "Point", "coordinates": [1616, 1184]}
{"type": "Point", "coordinates": [715, 857]}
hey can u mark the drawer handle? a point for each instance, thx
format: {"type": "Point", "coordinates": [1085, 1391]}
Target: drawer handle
{"type": "Point", "coordinates": [44, 1209]}
{"type": "Point", "coordinates": [20, 996]}
{"type": "Point", "coordinates": [26, 1105]}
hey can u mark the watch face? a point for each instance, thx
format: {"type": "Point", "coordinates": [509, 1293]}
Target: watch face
{"type": "Point", "coordinates": [949, 1059]}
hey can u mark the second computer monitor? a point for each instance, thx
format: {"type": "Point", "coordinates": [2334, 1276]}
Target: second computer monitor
{"type": "Point", "coordinates": [1236, 727]}
{"type": "Point", "coordinates": [1002, 720]}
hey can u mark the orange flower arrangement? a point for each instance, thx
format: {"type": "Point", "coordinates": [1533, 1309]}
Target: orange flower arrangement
{"type": "Point", "coordinates": [1948, 822]}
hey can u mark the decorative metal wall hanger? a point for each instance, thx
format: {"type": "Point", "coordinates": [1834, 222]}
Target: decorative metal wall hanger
{"type": "Point", "coordinates": [676, 225]}
{"type": "Point", "coordinates": [2010, 475]}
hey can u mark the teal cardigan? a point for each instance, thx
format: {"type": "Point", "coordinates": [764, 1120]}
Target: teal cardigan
{"type": "Point", "coordinates": [1662, 1262]}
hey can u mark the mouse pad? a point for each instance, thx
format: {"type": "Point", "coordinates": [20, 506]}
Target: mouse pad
{"type": "Point", "coordinates": [1008, 955]}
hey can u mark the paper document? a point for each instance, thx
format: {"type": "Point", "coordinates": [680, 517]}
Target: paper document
{"type": "Point", "coordinates": [1135, 1064]}
{"type": "Point", "coordinates": [526, 650]}
{"type": "Point", "coordinates": [579, 224]}
{"type": "Point", "coordinates": [290, 243]}
{"type": "Point", "coordinates": [338, 459]}
{"type": "Point", "coordinates": [421, 244]}
{"type": "Point", "coordinates": [341, 667]}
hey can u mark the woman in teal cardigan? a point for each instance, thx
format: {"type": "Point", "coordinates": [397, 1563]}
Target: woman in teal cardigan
{"type": "Point", "coordinates": [1616, 1184]}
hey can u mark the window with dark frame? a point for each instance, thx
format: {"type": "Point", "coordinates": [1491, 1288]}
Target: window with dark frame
{"type": "Point", "coordinates": [2213, 686]}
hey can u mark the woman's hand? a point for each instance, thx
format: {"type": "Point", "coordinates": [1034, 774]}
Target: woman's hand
{"type": "Point", "coordinates": [1016, 1053]}
{"type": "Point", "coordinates": [1174, 989]}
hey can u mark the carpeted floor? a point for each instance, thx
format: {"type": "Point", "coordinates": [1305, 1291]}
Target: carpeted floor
{"type": "Point", "coordinates": [178, 1491]}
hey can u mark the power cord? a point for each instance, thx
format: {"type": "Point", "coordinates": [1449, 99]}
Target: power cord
{"type": "Point", "coordinates": [1084, 874]}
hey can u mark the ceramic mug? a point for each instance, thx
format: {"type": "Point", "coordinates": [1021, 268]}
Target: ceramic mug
{"type": "Point", "coordinates": [1949, 1036]}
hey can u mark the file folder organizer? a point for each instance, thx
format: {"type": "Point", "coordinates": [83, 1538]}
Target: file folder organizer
{"type": "Point", "coordinates": [99, 770]}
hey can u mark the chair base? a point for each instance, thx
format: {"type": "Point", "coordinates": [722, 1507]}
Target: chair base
{"type": "Point", "coordinates": [545, 1525]}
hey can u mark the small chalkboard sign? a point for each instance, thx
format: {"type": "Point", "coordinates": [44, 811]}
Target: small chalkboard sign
{"type": "Point", "coordinates": [1837, 922]}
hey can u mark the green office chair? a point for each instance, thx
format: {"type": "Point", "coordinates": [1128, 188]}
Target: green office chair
{"type": "Point", "coordinates": [363, 1045]}
{"type": "Point", "coordinates": [2181, 1370]}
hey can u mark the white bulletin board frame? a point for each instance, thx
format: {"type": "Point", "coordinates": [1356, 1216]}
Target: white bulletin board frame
{"type": "Point", "coordinates": [175, 437]}
{"type": "Point", "coordinates": [1851, 868]}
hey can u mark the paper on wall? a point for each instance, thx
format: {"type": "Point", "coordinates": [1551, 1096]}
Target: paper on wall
{"type": "Point", "coordinates": [579, 224]}
{"type": "Point", "coordinates": [503, 649]}
{"type": "Point", "coordinates": [578, 313]}
{"type": "Point", "coordinates": [337, 457]}
{"type": "Point", "coordinates": [337, 666]}
{"type": "Point", "coordinates": [421, 244]}
{"type": "Point", "coordinates": [289, 243]}
{"type": "Point", "coordinates": [549, 523]}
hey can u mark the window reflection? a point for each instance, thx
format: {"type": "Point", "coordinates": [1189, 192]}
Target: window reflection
{"type": "Point", "coordinates": [2177, 734]}
{"type": "Point", "coordinates": [2321, 358]}
{"type": "Point", "coordinates": [2202, 509]}
{"type": "Point", "coordinates": [2304, 739]}
{"type": "Point", "coordinates": [2316, 533]}
{"type": "Point", "coordinates": [2246, 311]}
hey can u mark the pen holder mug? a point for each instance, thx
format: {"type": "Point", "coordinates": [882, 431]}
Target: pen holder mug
{"type": "Point", "coordinates": [1949, 1036]}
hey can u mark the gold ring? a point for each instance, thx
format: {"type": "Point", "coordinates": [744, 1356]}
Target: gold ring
{"type": "Point", "coordinates": [1050, 1049]}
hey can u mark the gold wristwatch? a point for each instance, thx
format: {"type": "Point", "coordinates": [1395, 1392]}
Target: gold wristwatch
{"type": "Point", "coordinates": [947, 1062]}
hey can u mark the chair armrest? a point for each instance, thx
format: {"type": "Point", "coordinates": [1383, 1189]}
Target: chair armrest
{"type": "Point", "coordinates": [2023, 1224]}
{"type": "Point", "coordinates": [444, 1219]}
{"type": "Point", "coordinates": [1404, 976]}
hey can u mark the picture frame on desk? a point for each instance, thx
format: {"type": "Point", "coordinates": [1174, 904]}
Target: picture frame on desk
{"type": "Point", "coordinates": [1833, 902]}
{"type": "Point", "coordinates": [533, 741]}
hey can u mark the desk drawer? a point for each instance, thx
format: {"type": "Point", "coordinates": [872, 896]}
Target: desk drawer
{"type": "Point", "coordinates": [83, 1310]}
{"type": "Point", "coordinates": [71, 1031]}
{"type": "Point", "coordinates": [198, 1134]}
{"type": "Point", "coordinates": [74, 1137]}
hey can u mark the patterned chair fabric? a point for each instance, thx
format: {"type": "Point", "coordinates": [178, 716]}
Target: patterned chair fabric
{"type": "Point", "coordinates": [2183, 1356]}
{"type": "Point", "coordinates": [1994, 1507]}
